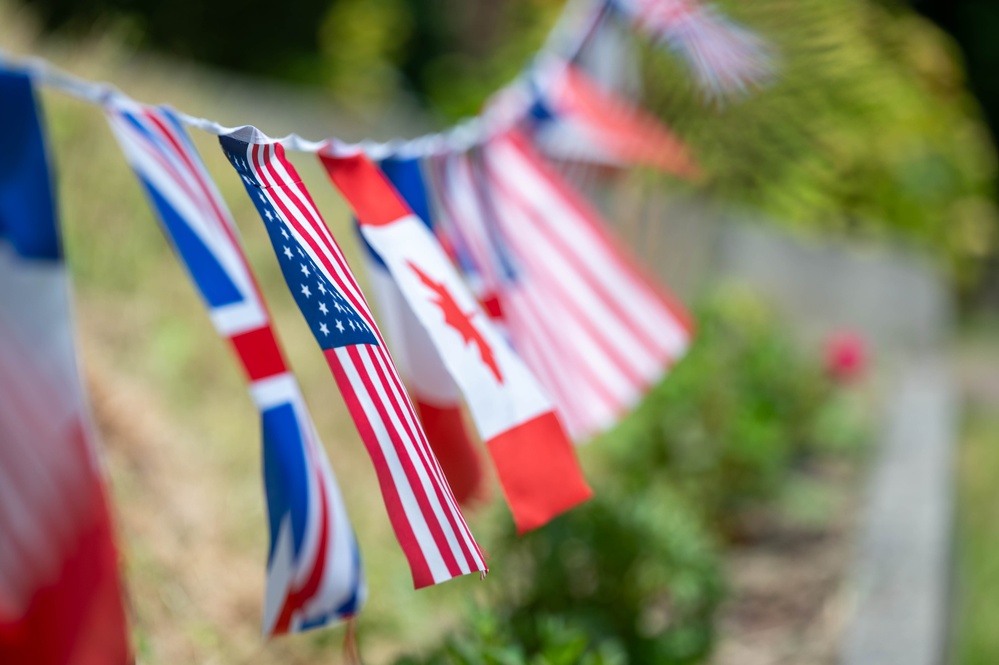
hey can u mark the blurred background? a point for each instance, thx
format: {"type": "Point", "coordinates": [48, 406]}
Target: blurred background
{"type": "Point", "coordinates": [841, 255]}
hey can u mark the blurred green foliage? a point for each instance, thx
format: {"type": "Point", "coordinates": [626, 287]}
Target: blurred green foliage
{"type": "Point", "coordinates": [623, 578]}
{"type": "Point", "coordinates": [976, 640]}
{"type": "Point", "coordinates": [735, 417]}
{"type": "Point", "coordinates": [868, 131]}
{"type": "Point", "coordinates": [634, 575]}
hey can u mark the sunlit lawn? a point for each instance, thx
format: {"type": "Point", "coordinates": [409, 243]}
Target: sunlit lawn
{"type": "Point", "coordinates": [977, 616]}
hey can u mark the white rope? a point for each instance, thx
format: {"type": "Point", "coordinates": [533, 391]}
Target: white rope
{"type": "Point", "coordinates": [578, 18]}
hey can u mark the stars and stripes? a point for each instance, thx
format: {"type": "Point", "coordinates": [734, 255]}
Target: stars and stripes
{"type": "Point", "coordinates": [591, 327]}
{"type": "Point", "coordinates": [314, 574]}
{"type": "Point", "coordinates": [427, 521]}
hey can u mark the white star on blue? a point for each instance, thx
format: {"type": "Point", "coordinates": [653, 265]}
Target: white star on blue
{"type": "Point", "coordinates": [301, 273]}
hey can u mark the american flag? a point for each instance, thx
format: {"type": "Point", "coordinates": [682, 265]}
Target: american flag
{"type": "Point", "coordinates": [314, 574]}
{"type": "Point", "coordinates": [426, 518]}
{"type": "Point", "coordinates": [595, 331]}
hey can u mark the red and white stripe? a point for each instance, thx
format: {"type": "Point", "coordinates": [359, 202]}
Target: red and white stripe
{"type": "Point", "coordinates": [725, 57]}
{"type": "Point", "coordinates": [426, 518]}
{"type": "Point", "coordinates": [594, 330]}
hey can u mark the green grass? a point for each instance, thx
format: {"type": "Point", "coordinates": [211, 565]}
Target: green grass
{"type": "Point", "coordinates": [977, 635]}
{"type": "Point", "coordinates": [976, 639]}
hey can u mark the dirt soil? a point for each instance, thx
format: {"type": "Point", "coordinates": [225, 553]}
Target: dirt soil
{"type": "Point", "coordinates": [790, 588]}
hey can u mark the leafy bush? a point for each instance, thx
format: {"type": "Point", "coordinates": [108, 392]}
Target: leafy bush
{"type": "Point", "coordinates": [867, 131]}
{"type": "Point", "coordinates": [636, 569]}
{"type": "Point", "coordinates": [734, 419]}
{"type": "Point", "coordinates": [634, 575]}
{"type": "Point", "coordinates": [489, 640]}
{"type": "Point", "coordinates": [619, 579]}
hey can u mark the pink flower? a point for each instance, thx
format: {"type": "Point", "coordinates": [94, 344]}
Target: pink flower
{"type": "Point", "coordinates": [845, 355]}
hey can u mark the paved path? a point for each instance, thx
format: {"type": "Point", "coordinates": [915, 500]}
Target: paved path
{"type": "Point", "coordinates": [903, 570]}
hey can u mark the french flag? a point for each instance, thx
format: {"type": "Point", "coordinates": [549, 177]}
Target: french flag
{"type": "Point", "coordinates": [60, 594]}
{"type": "Point", "coordinates": [534, 458]}
{"type": "Point", "coordinates": [575, 119]}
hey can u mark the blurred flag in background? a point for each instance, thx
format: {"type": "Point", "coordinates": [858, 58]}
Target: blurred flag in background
{"type": "Point", "coordinates": [60, 595]}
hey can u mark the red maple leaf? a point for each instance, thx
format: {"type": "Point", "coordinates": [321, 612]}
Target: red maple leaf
{"type": "Point", "coordinates": [459, 320]}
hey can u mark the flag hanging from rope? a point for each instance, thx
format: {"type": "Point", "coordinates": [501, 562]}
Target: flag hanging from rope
{"type": "Point", "coordinates": [595, 331]}
{"type": "Point", "coordinates": [60, 594]}
{"type": "Point", "coordinates": [574, 119]}
{"type": "Point", "coordinates": [724, 56]}
{"type": "Point", "coordinates": [314, 573]}
{"type": "Point", "coordinates": [534, 459]}
{"type": "Point", "coordinates": [424, 513]}
{"type": "Point", "coordinates": [431, 387]}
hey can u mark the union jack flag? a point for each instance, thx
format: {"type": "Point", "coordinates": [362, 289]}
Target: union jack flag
{"type": "Point", "coordinates": [314, 573]}
{"type": "Point", "coordinates": [427, 521]}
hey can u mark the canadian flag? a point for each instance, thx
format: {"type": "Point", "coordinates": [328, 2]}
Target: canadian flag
{"type": "Point", "coordinates": [534, 458]}
{"type": "Point", "coordinates": [434, 392]}
{"type": "Point", "coordinates": [430, 385]}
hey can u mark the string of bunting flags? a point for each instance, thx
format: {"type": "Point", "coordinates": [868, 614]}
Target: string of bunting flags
{"type": "Point", "coordinates": [499, 287]}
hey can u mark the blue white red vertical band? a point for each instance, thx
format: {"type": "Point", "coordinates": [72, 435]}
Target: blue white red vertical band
{"type": "Point", "coordinates": [314, 573]}
{"type": "Point", "coordinates": [425, 516]}
{"type": "Point", "coordinates": [60, 595]}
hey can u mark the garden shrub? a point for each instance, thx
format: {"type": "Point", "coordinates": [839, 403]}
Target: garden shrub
{"type": "Point", "coordinates": [737, 416]}
{"type": "Point", "coordinates": [620, 579]}
{"type": "Point", "coordinates": [634, 575]}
